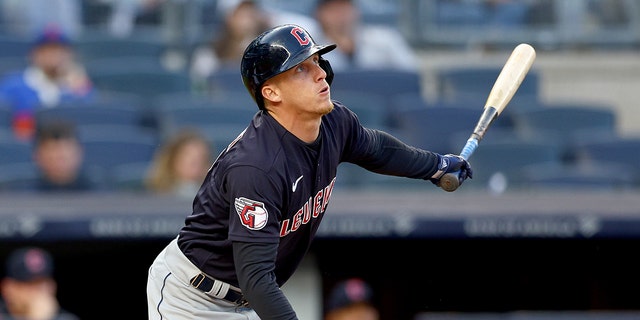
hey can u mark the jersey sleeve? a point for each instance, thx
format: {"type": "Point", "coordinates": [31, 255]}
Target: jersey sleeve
{"type": "Point", "coordinates": [380, 152]}
{"type": "Point", "coordinates": [255, 205]}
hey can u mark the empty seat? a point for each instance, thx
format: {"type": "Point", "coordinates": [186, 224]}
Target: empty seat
{"type": "Point", "coordinates": [225, 80]}
{"type": "Point", "coordinates": [437, 129]}
{"type": "Point", "coordinates": [18, 176]}
{"type": "Point", "coordinates": [92, 114]}
{"type": "Point", "coordinates": [621, 153]}
{"type": "Point", "coordinates": [108, 153]}
{"type": "Point", "coordinates": [385, 82]}
{"type": "Point", "coordinates": [14, 151]}
{"type": "Point", "coordinates": [471, 84]}
{"type": "Point", "coordinates": [498, 165]}
{"type": "Point", "coordinates": [565, 123]}
{"type": "Point", "coordinates": [103, 45]}
{"type": "Point", "coordinates": [371, 110]}
{"type": "Point", "coordinates": [147, 83]}
{"type": "Point", "coordinates": [578, 176]}
{"type": "Point", "coordinates": [206, 118]}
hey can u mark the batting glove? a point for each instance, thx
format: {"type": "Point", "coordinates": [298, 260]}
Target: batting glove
{"type": "Point", "coordinates": [451, 163]}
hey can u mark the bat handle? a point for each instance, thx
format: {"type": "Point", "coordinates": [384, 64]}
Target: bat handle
{"type": "Point", "coordinates": [451, 181]}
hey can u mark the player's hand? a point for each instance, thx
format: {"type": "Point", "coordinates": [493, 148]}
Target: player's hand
{"type": "Point", "coordinates": [451, 163]}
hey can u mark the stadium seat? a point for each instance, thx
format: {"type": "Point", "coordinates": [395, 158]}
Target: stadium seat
{"type": "Point", "coordinates": [225, 80]}
{"type": "Point", "coordinates": [371, 111]}
{"type": "Point", "coordinates": [472, 84]}
{"type": "Point", "coordinates": [108, 153]}
{"type": "Point", "coordinates": [565, 123]}
{"type": "Point", "coordinates": [99, 46]}
{"type": "Point", "coordinates": [19, 176]}
{"type": "Point", "coordinates": [499, 164]}
{"type": "Point", "coordinates": [14, 47]}
{"type": "Point", "coordinates": [437, 129]}
{"type": "Point", "coordinates": [91, 115]}
{"type": "Point", "coordinates": [203, 117]}
{"type": "Point", "coordinates": [14, 151]}
{"type": "Point", "coordinates": [147, 83]}
{"type": "Point", "coordinates": [129, 177]}
{"type": "Point", "coordinates": [385, 82]}
{"type": "Point", "coordinates": [578, 177]}
{"type": "Point", "coordinates": [621, 153]}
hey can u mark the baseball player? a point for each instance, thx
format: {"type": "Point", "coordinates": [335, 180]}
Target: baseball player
{"type": "Point", "coordinates": [263, 199]}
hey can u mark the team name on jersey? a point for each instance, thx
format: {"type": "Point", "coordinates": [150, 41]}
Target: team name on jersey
{"type": "Point", "coordinates": [312, 209]}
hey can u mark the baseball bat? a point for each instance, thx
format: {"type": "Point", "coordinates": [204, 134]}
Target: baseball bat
{"type": "Point", "coordinates": [505, 86]}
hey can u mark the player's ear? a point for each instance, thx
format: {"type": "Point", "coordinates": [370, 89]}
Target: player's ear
{"type": "Point", "coordinates": [271, 92]}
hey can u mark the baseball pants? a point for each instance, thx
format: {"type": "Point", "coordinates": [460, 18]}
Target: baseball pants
{"type": "Point", "coordinates": [170, 296]}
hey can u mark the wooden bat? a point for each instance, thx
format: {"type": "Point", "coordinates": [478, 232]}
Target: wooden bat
{"type": "Point", "coordinates": [506, 85]}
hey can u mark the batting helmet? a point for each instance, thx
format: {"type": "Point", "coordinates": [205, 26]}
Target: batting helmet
{"type": "Point", "coordinates": [276, 51]}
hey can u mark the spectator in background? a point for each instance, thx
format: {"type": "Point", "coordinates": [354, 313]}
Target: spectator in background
{"type": "Point", "coordinates": [53, 76]}
{"type": "Point", "coordinates": [242, 21]}
{"type": "Point", "coordinates": [59, 156]}
{"type": "Point", "coordinates": [360, 45]}
{"type": "Point", "coordinates": [180, 165]}
{"type": "Point", "coordinates": [29, 289]}
{"type": "Point", "coordinates": [351, 299]}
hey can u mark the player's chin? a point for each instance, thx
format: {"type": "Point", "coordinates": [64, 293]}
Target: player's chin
{"type": "Point", "coordinates": [326, 107]}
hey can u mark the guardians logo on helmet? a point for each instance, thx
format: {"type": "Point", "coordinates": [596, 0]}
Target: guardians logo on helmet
{"type": "Point", "coordinates": [276, 51]}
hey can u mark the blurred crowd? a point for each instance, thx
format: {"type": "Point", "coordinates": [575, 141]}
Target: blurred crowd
{"type": "Point", "coordinates": [133, 70]}
{"type": "Point", "coordinates": [72, 105]}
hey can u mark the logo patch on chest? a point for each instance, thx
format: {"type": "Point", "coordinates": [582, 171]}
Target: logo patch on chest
{"type": "Point", "coordinates": [253, 214]}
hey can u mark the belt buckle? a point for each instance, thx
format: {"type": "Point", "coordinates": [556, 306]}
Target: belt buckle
{"type": "Point", "coordinates": [197, 280]}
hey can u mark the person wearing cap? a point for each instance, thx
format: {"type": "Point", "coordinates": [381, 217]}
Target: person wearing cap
{"type": "Point", "coordinates": [29, 289]}
{"type": "Point", "coordinates": [351, 299]}
{"type": "Point", "coordinates": [262, 201]}
{"type": "Point", "coordinates": [53, 76]}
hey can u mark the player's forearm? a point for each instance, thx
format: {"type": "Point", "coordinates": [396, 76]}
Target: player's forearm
{"type": "Point", "coordinates": [394, 157]}
{"type": "Point", "coordinates": [255, 263]}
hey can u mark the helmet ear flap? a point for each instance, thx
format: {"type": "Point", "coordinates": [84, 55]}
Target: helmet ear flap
{"type": "Point", "coordinates": [326, 66]}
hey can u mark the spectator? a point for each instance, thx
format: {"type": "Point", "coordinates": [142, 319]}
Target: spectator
{"type": "Point", "coordinates": [351, 299]}
{"type": "Point", "coordinates": [59, 156]}
{"type": "Point", "coordinates": [242, 21]}
{"type": "Point", "coordinates": [360, 45]}
{"type": "Point", "coordinates": [29, 289]}
{"type": "Point", "coordinates": [52, 77]}
{"type": "Point", "coordinates": [180, 165]}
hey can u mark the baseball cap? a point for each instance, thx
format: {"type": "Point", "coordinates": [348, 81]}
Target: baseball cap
{"type": "Point", "coordinates": [349, 292]}
{"type": "Point", "coordinates": [29, 263]}
{"type": "Point", "coordinates": [52, 35]}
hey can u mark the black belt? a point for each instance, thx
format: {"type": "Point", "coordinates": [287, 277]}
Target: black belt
{"type": "Point", "coordinates": [205, 284]}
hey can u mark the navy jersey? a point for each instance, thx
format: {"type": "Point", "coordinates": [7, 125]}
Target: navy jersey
{"type": "Point", "coordinates": [269, 186]}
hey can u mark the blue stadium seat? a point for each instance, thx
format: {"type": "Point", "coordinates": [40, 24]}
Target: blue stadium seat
{"type": "Point", "coordinates": [473, 85]}
{"type": "Point", "coordinates": [385, 82]}
{"type": "Point", "coordinates": [565, 123]}
{"type": "Point", "coordinates": [225, 80]}
{"type": "Point", "coordinates": [502, 161]}
{"type": "Point", "coordinates": [97, 46]}
{"type": "Point", "coordinates": [203, 117]}
{"type": "Point", "coordinates": [437, 129]}
{"type": "Point", "coordinates": [19, 176]}
{"type": "Point", "coordinates": [371, 111]}
{"type": "Point", "coordinates": [85, 114]}
{"type": "Point", "coordinates": [14, 47]}
{"type": "Point", "coordinates": [107, 153]}
{"type": "Point", "coordinates": [14, 151]}
{"type": "Point", "coordinates": [147, 83]}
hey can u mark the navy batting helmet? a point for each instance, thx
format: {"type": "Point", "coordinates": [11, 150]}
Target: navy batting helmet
{"type": "Point", "coordinates": [276, 51]}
